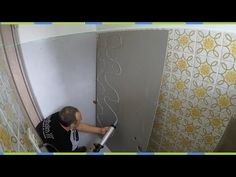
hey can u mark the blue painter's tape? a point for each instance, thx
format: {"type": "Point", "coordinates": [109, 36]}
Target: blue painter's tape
{"type": "Point", "coordinates": [45, 153]}
{"type": "Point", "coordinates": [95, 153]}
{"type": "Point", "coordinates": [193, 23]}
{"type": "Point", "coordinates": [43, 23]}
{"type": "Point", "coordinates": [195, 153]}
{"type": "Point", "coordinates": [143, 23]}
{"type": "Point", "coordinates": [145, 153]}
{"type": "Point", "coordinates": [93, 23]}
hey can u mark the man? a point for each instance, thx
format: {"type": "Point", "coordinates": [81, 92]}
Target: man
{"type": "Point", "coordinates": [59, 131]}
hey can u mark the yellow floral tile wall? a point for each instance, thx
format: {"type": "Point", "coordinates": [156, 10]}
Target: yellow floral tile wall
{"type": "Point", "coordinates": [198, 91]}
{"type": "Point", "coordinates": [13, 119]}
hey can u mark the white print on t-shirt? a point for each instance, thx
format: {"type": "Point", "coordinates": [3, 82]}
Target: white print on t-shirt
{"type": "Point", "coordinates": [46, 129]}
{"type": "Point", "coordinates": [75, 143]}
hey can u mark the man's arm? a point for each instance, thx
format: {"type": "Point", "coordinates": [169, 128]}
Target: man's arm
{"type": "Point", "coordinates": [92, 129]}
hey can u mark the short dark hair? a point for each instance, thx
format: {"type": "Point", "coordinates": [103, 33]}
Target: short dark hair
{"type": "Point", "coordinates": [67, 115]}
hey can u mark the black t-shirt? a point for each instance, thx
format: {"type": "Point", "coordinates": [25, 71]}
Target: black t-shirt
{"type": "Point", "coordinates": [54, 134]}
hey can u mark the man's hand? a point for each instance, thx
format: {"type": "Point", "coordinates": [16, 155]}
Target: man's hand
{"type": "Point", "coordinates": [104, 130]}
{"type": "Point", "coordinates": [92, 129]}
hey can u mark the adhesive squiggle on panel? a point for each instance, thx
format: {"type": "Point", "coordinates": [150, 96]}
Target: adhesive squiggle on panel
{"type": "Point", "coordinates": [98, 76]}
{"type": "Point", "coordinates": [114, 62]}
{"type": "Point", "coordinates": [105, 73]}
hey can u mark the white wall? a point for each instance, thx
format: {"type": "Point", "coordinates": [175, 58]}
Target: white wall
{"type": "Point", "coordinates": [219, 27]}
{"type": "Point", "coordinates": [62, 71]}
{"type": "Point", "coordinates": [29, 33]}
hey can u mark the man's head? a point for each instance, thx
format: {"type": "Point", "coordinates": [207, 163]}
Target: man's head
{"type": "Point", "coordinates": [70, 117]}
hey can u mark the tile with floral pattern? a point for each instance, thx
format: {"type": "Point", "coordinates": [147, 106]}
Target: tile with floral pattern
{"type": "Point", "coordinates": [2, 61]}
{"type": "Point", "coordinates": [209, 43]}
{"type": "Point", "coordinates": [229, 47]}
{"type": "Point", "coordinates": [176, 104]}
{"type": "Point", "coordinates": [216, 121]}
{"type": "Point", "coordinates": [153, 146]}
{"type": "Point", "coordinates": [185, 143]}
{"type": "Point", "coordinates": [207, 140]}
{"type": "Point", "coordinates": [172, 120]}
{"type": "Point", "coordinates": [167, 145]}
{"type": "Point", "coordinates": [9, 113]}
{"type": "Point", "coordinates": [185, 40]}
{"type": "Point", "coordinates": [189, 127]}
{"type": "Point", "coordinates": [159, 122]}
{"type": "Point", "coordinates": [182, 64]}
{"type": "Point", "coordinates": [200, 93]}
{"type": "Point", "coordinates": [170, 131]}
{"type": "Point", "coordinates": [227, 75]}
{"type": "Point", "coordinates": [205, 68]}
{"type": "Point", "coordinates": [165, 80]}
{"type": "Point", "coordinates": [180, 85]}
{"type": "Point", "coordinates": [163, 98]}
{"type": "Point", "coordinates": [168, 62]}
{"type": "Point", "coordinates": [21, 148]}
{"type": "Point", "coordinates": [171, 42]}
{"type": "Point", "coordinates": [23, 138]}
{"type": "Point", "coordinates": [160, 113]}
{"type": "Point", "coordinates": [224, 100]}
{"type": "Point", "coordinates": [8, 140]}
{"type": "Point", "coordinates": [193, 111]}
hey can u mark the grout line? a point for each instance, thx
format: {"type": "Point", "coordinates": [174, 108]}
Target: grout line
{"type": "Point", "coordinates": [164, 118]}
{"type": "Point", "coordinates": [218, 66]}
{"type": "Point", "coordinates": [169, 91]}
